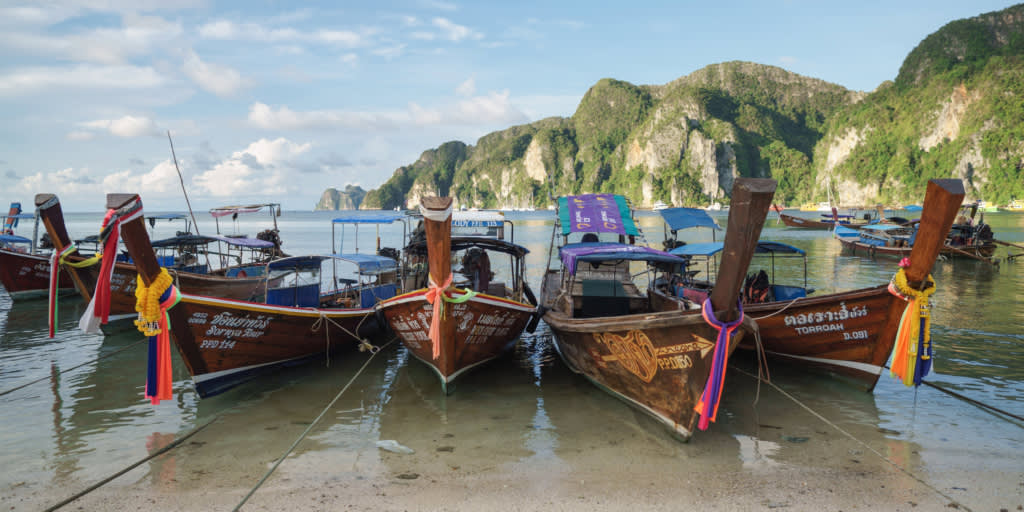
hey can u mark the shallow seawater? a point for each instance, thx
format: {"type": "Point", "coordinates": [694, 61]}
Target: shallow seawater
{"type": "Point", "coordinates": [525, 421]}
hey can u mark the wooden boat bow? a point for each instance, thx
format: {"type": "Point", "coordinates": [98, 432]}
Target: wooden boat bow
{"type": "Point", "coordinates": [751, 199]}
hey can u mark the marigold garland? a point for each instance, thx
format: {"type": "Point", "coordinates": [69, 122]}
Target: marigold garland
{"type": "Point", "coordinates": [147, 302]}
{"type": "Point", "coordinates": [913, 340]}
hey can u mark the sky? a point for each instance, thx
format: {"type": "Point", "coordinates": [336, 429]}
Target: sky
{"type": "Point", "coordinates": [272, 101]}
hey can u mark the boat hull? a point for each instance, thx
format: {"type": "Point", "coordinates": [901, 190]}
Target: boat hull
{"type": "Point", "coordinates": [124, 279]}
{"type": "Point", "coordinates": [794, 221]}
{"type": "Point", "coordinates": [657, 362]}
{"type": "Point", "coordinates": [227, 342]}
{"type": "Point", "coordinates": [850, 334]}
{"type": "Point", "coordinates": [855, 246]}
{"type": "Point", "coordinates": [27, 276]}
{"type": "Point", "coordinates": [485, 328]}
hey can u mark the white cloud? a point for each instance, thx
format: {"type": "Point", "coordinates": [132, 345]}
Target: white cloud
{"type": "Point", "coordinates": [455, 32]}
{"type": "Point", "coordinates": [349, 58]}
{"type": "Point", "coordinates": [80, 135]}
{"type": "Point", "coordinates": [220, 80]}
{"type": "Point", "coordinates": [437, 4]}
{"type": "Point", "coordinates": [79, 182]}
{"type": "Point", "coordinates": [788, 60]}
{"type": "Point", "coordinates": [423, 36]}
{"type": "Point", "coordinates": [410, 21]}
{"type": "Point", "coordinates": [229, 30]}
{"type": "Point", "coordinates": [487, 110]}
{"type": "Point", "coordinates": [32, 80]}
{"type": "Point", "coordinates": [467, 88]}
{"type": "Point", "coordinates": [127, 126]}
{"type": "Point", "coordinates": [264, 166]}
{"type": "Point", "coordinates": [262, 116]}
{"type": "Point", "coordinates": [343, 37]}
{"type": "Point", "coordinates": [138, 35]}
{"type": "Point", "coordinates": [389, 52]}
{"type": "Point", "coordinates": [493, 108]}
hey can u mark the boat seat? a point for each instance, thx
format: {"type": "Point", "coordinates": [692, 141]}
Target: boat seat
{"type": "Point", "coordinates": [496, 289]}
{"type": "Point", "coordinates": [603, 297]}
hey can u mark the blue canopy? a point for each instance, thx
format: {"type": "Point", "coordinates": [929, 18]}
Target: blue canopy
{"type": "Point", "coordinates": [296, 262]}
{"type": "Point", "coordinates": [365, 262]}
{"type": "Point", "coordinates": [913, 208]}
{"type": "Point", "coordinates": [886, 227]}
{"type": "Point", "coordinates": [698, 249]}
{"type": "Point", "coordinates": [368, 262]}
{"type": "Point", "coordinates": [609, 251]}
{"type": "Point", "coordinates": [845, 232]}
{"type": "Point", "coordinates": [14, 239]}
{"type": "Point", "coordinates": [683, 218]}
{"type": "Point", "coordinates": [252, 243]}
{"type": "Point", "coordinates": [712, 248]}
{"type": "Point", "coordinates": [19, 216]}
{"type": "Point", "coordinates": [371, 217]}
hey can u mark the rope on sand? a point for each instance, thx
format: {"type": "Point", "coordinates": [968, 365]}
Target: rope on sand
{"type": "Point", "coordinates": [74, 367]}
{"type": "Point", "coordinates": [161, 451]}
{"type": "Point", "coordinates": [310, 427]}
{"type": "Point", "coordinates": [866, 446]}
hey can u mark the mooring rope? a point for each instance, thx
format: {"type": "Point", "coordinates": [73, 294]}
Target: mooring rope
{"type": "Point", "coordinates": [788, 304]}
{"type": "Point", "coordinates": [310, 427]}
{"type": "Point", "coordinates": [857, 440]}
{"type": "Point", "coordinates": [325, 321]}
{"type": "Point", "coordinates": [74, 367]}
{"type": "Point", "coordinates": [970, 400]}
{"type": "Point", "coordinates": [161, 451]}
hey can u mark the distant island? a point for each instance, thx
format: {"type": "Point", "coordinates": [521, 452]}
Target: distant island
{"type": "Point", "coordinates": [348, 199]}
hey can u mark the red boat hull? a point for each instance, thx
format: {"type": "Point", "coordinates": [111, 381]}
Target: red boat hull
{"type": "Point", "coordinates": [226, 342]}
{"type": "Point", "coordinates": [486, 327]}
{"type": "Point", "coordinates": [849, 334]}
{"type": "Point", "coordinates": [27, 276]}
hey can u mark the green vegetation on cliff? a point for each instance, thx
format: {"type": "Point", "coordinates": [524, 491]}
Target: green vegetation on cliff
{"type": "Point", "coordinates": [955, 110]}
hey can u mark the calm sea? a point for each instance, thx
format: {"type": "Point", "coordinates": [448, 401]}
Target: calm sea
{"type": "Point", "coordinates": [84, 417]}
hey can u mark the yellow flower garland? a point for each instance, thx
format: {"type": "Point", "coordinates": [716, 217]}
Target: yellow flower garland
{"type": "Point", "coordinates": [905, 354]}
{"type": "Point", "coordinates": [147, 302]}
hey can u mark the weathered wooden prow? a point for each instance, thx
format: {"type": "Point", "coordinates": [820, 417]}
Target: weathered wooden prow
{"type": "Point", "coordinates": [136, 239]}
{"type": "Point", "coordinates": [439, 243]}
{"type": "Point", "coordinates": [48, 210]}
{"type": "Point", "coordinates": [751, 198]}
{"type": "Point", "coordinates": [941, 203]}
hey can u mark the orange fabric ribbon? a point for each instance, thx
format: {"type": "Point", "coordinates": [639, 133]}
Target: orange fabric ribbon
{"type": "Point", "coordinates": [435, 296]}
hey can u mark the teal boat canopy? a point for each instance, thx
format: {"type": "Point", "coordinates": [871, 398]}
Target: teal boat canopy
{"type": "Point", "coordinates": [595, 213]}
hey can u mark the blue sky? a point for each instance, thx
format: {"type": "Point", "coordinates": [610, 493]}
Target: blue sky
{"type": "Point", "coordinates": [276, 101]}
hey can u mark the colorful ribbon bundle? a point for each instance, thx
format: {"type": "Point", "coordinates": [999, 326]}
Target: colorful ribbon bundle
{"type": "Point", "coordinates": [912, 355]}
{"type": "Point", "coordinates": [436, 296]}
{"type": "Point", "coordinates": [707, 406]}
{"type": "Point", "coordinates": [55, 260]}
{"type": "Point", "coordinates": [152, 302]}
{"type": "Point", "coordinates": [98, 311]}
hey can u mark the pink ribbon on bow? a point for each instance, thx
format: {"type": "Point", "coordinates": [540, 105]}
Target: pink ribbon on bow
{"type": "Point", "coordinates": [435, 296]}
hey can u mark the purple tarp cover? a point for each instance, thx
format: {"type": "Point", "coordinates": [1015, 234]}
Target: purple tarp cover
{"type": "Point", "coordinates": [604, 251]}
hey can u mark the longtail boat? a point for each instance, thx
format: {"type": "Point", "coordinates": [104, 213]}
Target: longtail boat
{"type": "Point", "coordinates": [225, 342]}
{"type": "Point", "coordinates": [850, 333]}
{"type": "Point", "coordinates": [24, 269]}
{"type": "Point", "coordinates": [454, 326]}
{"type": "Point", "coordinates": [244, 282]}
{"type": "Point", "coordinates": [834, 218]}
{"type": "Point", "coordinates": [667, 364]}
{"type": "Point", "coordinates": [964, 239]}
